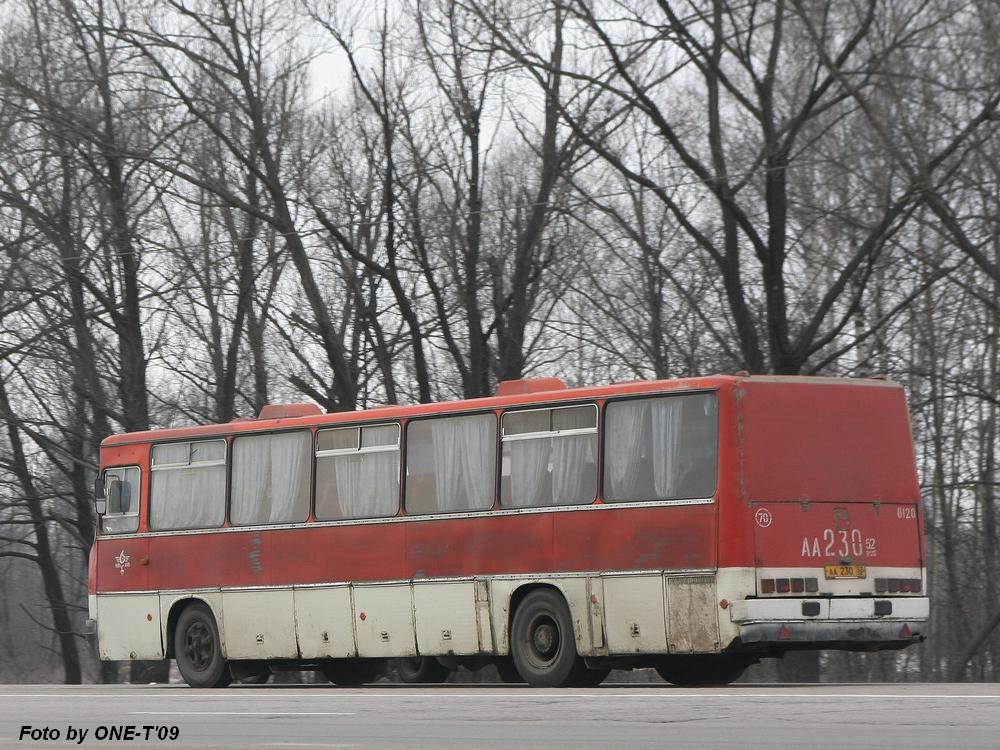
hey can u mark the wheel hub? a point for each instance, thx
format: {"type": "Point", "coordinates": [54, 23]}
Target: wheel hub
{"type": "Point", "coordinates": [545, 639]}
{"type": "Point", "coordinates": [199, 646]}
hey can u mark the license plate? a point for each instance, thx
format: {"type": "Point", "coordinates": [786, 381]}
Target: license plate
{"type": "Point", "coordinates": [844, 571]}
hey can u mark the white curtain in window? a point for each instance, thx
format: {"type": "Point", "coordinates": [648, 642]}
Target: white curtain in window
{"type": "Point", "coordinates": [573, 477]}
{"type": "Point", "coordinates": [478, 439]}
{"type": "Point", "coordinates": [367, 484]}
{"type": "Point", "coordinates": [464, 461]}
{"type": "Point", "coordinates": [271, 478]}
{"type": "Point", "coordinates": [251, 493]}
{"type": "Point", "coordinates": [190, 498]}
{"type": "Point", "coordinates": [347, 473]}
{"type": "Point", "coordinates": [380, 482]}
{"type": "Point", "coordinates": [171, 453]}
{"type": "Point", "coordinates": [447, 467]}
{"type": "Point", "coordinates": [327, 491]}
{"type": "Point", "coordinates": [665, 424]}
{"type": "Point", "coordinates": [289, 461]}
{"type": "Point", "coordinates": [529, 468]}
{"type": "Point", "coordinates": [624, 447]}
{"type": "Point", "coordinates": [208, 450]}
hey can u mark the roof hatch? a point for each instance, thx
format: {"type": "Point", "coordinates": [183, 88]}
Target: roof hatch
{"type": "Point", "coordinates": [529, 385]}
{"type": "Point", "coordinates": [287, 411]}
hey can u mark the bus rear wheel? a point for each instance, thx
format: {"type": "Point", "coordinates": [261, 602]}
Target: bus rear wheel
{"type": "Point", "coordinates": [351, 672]}
{"type": "Point", "coordinates": [507, 671]}
{"type": "Point", "coordinates": [421, 669]}
{"type": "Point", "coordinates": [588, 678]}
{"type": "Point", "coordinates": [542, 643]}
{"type": "Point", "coordinates": [197, 648]}
{"type": "Point", "coordinates": [702, 670]}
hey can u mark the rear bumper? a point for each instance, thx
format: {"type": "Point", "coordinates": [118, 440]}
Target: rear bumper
{"type": "Point", "coordinates": [853, 624]}
{"type": "Point", "coordinates": [852, 636]}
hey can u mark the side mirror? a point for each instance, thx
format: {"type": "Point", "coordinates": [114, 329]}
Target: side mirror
{"type": "Point", "coordinates": [100, 503]}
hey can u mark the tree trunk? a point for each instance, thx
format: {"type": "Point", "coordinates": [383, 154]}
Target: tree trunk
{"type": "Point", "coordinates": [62, 622]}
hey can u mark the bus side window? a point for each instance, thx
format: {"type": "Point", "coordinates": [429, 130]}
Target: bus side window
{"type": "Point", "coordinates": [451, 464]}
{"type": "Point", "coordinates": [270, 482]}
{"type": "Point", "coordinates": [123, 501]}
{"type": "Point", "coordinates": [357, 472]}
{"type": "Point", "coordinates": [549, 457]}
{"type": "Point", "coordinates": [188, 485]}
{"type": "Point", "coordinates": [661, 448]}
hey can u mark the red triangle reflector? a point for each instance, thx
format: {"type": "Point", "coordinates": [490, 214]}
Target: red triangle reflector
{"type": "Point", "coordinates": [784, 634]}
{"type": "Point", "coordinates": [905, 632]}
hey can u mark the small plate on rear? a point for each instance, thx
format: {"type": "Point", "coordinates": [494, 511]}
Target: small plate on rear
{"type": "Point", "coordinates": [845, 571]}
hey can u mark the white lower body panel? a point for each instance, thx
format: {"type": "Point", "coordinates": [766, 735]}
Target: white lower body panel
{"type": "Point", "coordinates": [128, 627]}
{"type": "Point", "coordinates": [259, 623]}
{"type": "Point", "coordinates": [324, 622]}
{"type": "Point", "coordinates": [613, 614]}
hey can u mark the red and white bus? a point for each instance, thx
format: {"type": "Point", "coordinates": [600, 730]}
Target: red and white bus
{"type": "Point", "coordinates": [690, 525]}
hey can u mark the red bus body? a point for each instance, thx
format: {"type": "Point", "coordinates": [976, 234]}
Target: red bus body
{"type": "Point", "coordinates": [812, 472]}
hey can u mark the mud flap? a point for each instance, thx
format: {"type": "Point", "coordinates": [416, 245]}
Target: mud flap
{"type": "Point", "coordinates": [693, 624]}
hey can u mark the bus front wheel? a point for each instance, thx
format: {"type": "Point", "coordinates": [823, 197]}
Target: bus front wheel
{"type": "Point", "coordinates": [198, 650]}
{"type": "Point", "coordinates": [542, 643]}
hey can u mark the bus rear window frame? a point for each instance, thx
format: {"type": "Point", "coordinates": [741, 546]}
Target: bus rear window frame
{"type": "Point", "coordinates": [710, 498]}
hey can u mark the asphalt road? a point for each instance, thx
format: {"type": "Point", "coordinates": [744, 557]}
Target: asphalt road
{"type": "Point", "coordinates": [845, 717]}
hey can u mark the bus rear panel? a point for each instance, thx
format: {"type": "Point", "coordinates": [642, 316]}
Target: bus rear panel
{"type": "Point", "coordinates": [830, 495]}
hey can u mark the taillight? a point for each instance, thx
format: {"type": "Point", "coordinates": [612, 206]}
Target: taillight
{"type": "Point", "coordinates": [898, 585]}
{"type": "Point", "coordinates": [789, 585]}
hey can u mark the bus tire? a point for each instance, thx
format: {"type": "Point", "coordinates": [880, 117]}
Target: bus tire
{"type": "Point", "coordinates": [589, 678]}
{"type": "Point", "coordinates": [421, 669]}
{"type": "Point", "coordinates": [198, 648]}
{"type": "Point", "coordinates": [351, 672]}
{"type": "Point", "coordinates": [542, 642]}
{"type": "Point", "coordinates": [260, 678]}
{"type": "Point", "coordinates": [702, 670]}
{"type": "Point", "coordinates": [251, 673]}
{"type": "Point", "coordinates": [507, 671]}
